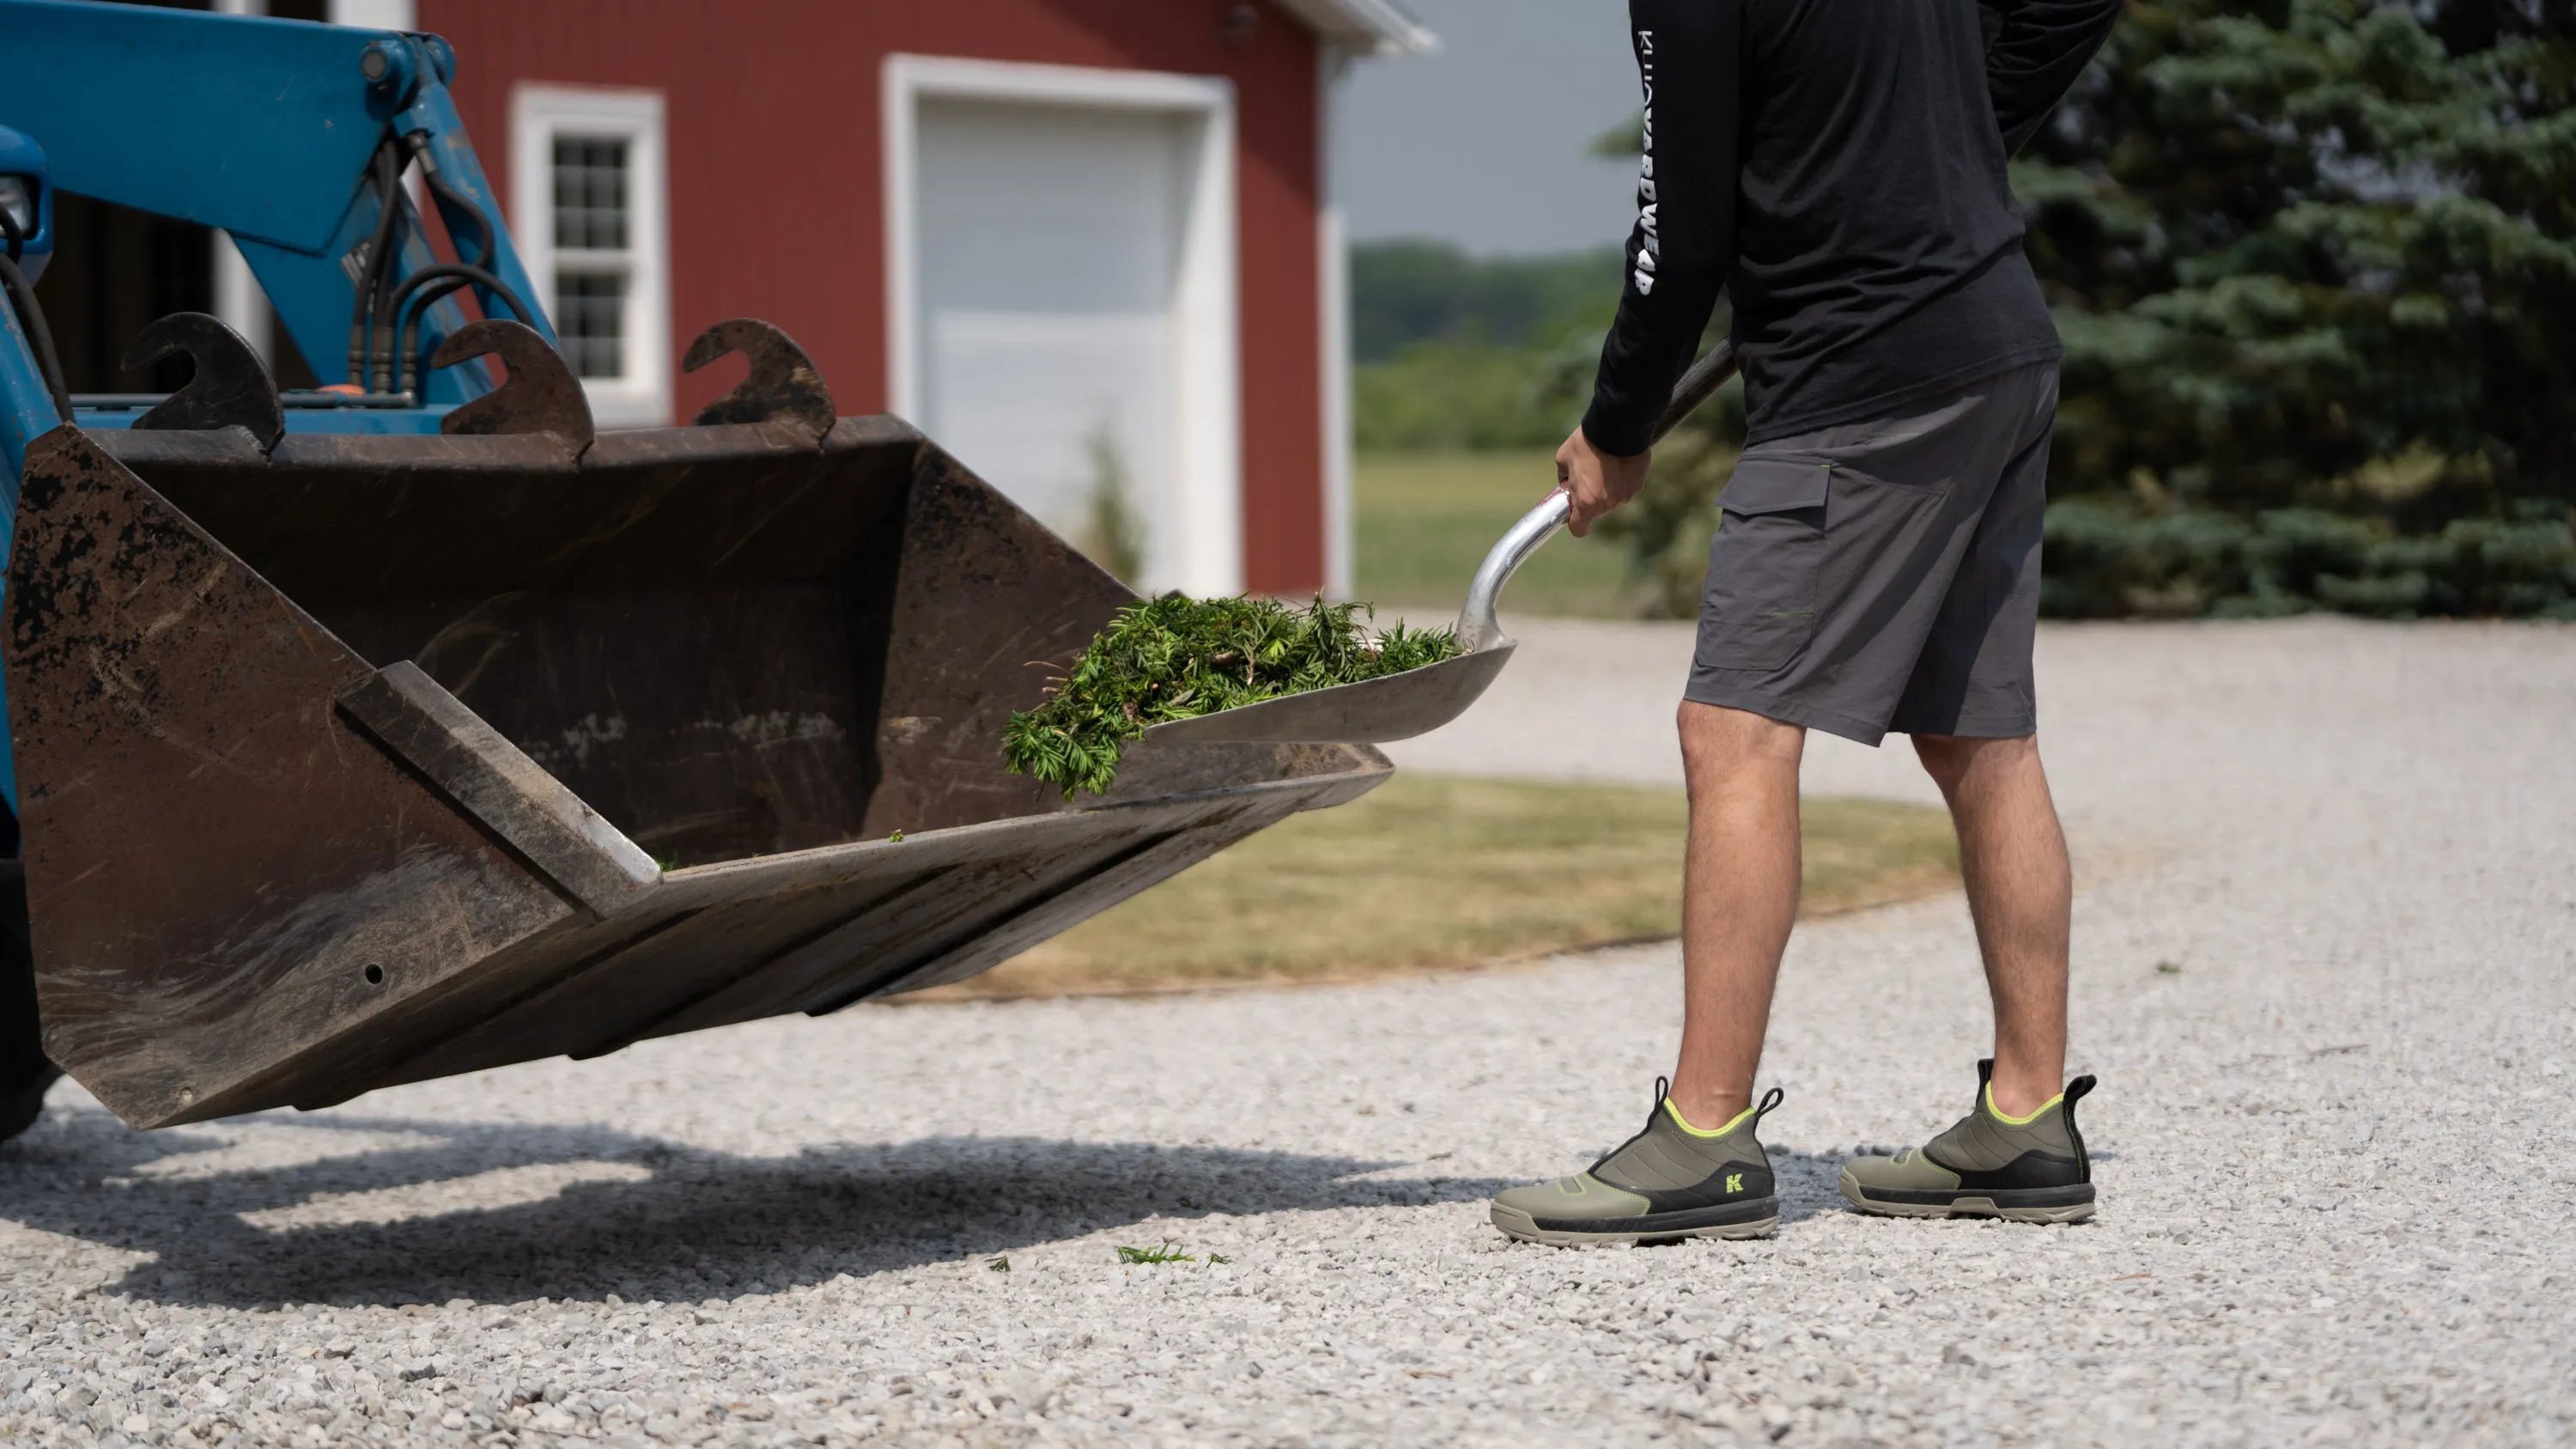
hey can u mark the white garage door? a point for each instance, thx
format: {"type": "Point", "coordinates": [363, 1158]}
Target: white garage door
{"type": "Point", "coordinates": [1051, 265]}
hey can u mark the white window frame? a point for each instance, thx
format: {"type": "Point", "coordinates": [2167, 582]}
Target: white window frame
{"type": "Point", "coordinates": [366, 14]}
{"type": "Point", "coordinates": [539, 113]}
{"type": "Point", "coordinates": [1207, 360]}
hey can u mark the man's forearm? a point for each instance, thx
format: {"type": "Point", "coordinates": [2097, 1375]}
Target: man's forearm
{"type": "Point", "coordinates": [1684, 242]}
{"type": "Point", "coordinates": [2037, 57]}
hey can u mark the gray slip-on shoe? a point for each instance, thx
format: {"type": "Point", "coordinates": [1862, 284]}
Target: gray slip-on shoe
{"type": "Point", "coordinates": [1668, 1182]}
{"type": "Point", "coordinates": [2028, 1169]}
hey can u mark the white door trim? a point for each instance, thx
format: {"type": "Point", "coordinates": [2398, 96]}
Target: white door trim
{"type": "Point", "coordinates": [1333, 297]}
{"type": "Point", "coordinates": [1207, 367]}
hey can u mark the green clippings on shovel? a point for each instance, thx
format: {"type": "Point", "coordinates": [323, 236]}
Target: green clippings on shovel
{"type": "Point", "coordinates": [1177, 658]}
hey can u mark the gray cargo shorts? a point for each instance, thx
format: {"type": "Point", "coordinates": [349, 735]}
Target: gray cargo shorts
{"type": "Point", "coordinates": [1884, 575]}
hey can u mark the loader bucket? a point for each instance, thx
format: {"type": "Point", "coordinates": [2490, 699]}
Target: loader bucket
{"type": "Point", "coordinates": [359, 760]}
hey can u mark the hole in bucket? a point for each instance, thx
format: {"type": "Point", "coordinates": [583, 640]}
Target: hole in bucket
{"type": "Point", "coordinates": [375, 975]}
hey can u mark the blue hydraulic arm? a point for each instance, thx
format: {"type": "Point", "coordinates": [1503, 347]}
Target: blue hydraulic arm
{"type": "Point", "coordinates": [270, 130]}
{"type": "Point", "coordinates": [290, 136]}
{"type": "Point", "coordinates": [26, 403]}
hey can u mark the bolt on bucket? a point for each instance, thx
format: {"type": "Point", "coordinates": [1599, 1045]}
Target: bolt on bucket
{"type": "Point", "coordinates": [347, 761]}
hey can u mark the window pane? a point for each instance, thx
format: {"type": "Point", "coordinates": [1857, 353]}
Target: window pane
{"type": "Point", "coordinates": [590, 193]}
{"type": "Point", "coordinates": [590, 319]}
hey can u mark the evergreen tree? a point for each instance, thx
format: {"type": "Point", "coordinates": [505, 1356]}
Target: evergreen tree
{"type": "Point", "coordinates": [2315, 262]}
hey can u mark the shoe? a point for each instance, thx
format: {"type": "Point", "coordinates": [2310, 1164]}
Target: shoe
{"type": "Point", "coordinates": [24, 1072]}
{"type": "Point", "coordinates": [1668, 1182]}
{"type": "Point", "coordinates": [2029, 1169]}
{"type": "Point", "coordinates": [22, 1104]}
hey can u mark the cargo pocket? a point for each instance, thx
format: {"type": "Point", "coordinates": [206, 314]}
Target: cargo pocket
{"type": "Point", "coordinates": [1763, 569]}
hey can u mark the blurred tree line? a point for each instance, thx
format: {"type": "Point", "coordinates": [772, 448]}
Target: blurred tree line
{"type": "Point", "coordinates": [1454, 351]}
{"type": "Point", "coordinates": [2315, 265]}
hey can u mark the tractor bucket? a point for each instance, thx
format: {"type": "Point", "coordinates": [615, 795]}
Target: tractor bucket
{"type": "Point", "coordinates": [346, 761]}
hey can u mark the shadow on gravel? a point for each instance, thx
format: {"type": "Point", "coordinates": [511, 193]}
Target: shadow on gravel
{"type": "Point", "coordinates": [677, 1224]}
{"type": "Point", "coordinates": [1808, 1184]}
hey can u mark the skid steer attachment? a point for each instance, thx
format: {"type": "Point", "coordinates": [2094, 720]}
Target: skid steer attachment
{"type": "Point", "coordinates": [353, 760]}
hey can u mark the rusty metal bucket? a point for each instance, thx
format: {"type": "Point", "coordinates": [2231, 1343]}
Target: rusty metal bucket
{"type": "Point", "coordinates": [348, 761]}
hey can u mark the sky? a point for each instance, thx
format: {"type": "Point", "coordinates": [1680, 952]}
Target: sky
{"type": "Point", "coordinates": [1486, 141]}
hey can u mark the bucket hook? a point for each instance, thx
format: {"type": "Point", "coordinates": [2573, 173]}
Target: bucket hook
{"type": "Point", "coordinates": [540, 395]}
{"type": "Point", "coordinates": [229, 386]}
{"type": "Point", "coordinates": [782, 386]}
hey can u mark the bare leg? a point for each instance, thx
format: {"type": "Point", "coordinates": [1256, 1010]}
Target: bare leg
{"type": "Point", "coordinates": [2021, 892]}
{"type": "Point", "coordinates": [1739, 898]}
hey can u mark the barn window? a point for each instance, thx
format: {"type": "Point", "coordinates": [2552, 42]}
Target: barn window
{"type": "Point", "coordinates": [593, 253]}
{"type": "Point", "coordinates": [588, 187]}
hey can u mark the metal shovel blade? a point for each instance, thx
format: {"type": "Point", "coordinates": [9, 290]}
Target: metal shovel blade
{"type": "Point", "coordinates": [1394, 706]}
{"type": "Point", "coordinates": [1400, 706]}
{"type": "Point", "coordinates": [1371, 712]}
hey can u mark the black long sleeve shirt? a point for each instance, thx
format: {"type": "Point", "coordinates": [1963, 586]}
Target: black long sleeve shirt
{"type": "Point", "coordinates": [1839, 167]}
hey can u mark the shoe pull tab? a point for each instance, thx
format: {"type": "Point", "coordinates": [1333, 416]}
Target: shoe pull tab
{"type": "Point", "coordinates": [1762, 1109]}
{"type": "Point", "coordinates": [2075, 1091]}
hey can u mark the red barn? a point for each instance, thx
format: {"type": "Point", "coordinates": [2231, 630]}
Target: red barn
{"type": "Point", "coordinates": [1088, 245]}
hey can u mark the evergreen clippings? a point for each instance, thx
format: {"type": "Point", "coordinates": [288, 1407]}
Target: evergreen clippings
{"type": "Point", "coordinates": [1175, 658]}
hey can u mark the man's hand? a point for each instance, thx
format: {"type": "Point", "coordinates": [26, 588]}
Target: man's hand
{"type": "Point", "coordinates": [1597, 481]}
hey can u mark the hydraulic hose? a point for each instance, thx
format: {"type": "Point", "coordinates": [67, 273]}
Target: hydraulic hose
{"type": "Point", "coordinates": [31, 316]}
{"type": "Point", "coordinates": [407, 325]}
{"type": "Point", "coordinates": [410, 302]}
{"type": "Point", "coordinates": [462, 275]}
{"type": "Point", "coordinates": [468, 273]}
{"type": "Point", "coordinates": [363, 312]}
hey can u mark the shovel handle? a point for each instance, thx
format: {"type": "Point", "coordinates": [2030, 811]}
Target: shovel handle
{"type": "Point", "coordinates": [1478, 627]}
{"type": "Point", "coordinates": [1697, 386]}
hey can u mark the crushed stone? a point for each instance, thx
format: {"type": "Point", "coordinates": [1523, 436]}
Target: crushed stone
{"type": "Point", "coordinates": [2331, 1142]}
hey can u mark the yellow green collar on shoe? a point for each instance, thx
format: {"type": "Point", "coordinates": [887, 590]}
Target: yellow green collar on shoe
{"type": "Point", "coordinates": [2008, 1120]}
{"type": "Point", "coordinates": [1740, 1119]}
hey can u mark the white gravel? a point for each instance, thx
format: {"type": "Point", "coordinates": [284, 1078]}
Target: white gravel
{"type": "Point", "coordinates": [2334, 1150]}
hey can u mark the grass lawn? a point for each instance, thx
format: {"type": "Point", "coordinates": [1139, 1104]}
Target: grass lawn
{"type": "Point", "coordinates": [1431, 871]}
{"type": "Point", "coordinates": [1425, 520]}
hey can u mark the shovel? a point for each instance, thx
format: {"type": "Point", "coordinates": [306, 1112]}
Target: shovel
{"type": "Point", "coordinates": [1418, 701]}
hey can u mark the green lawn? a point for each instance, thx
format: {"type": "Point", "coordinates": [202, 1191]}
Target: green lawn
{"type": "Point", "coordinates": [1432, 871]}
{"type": "Point", "coordinates": [1425, 520]}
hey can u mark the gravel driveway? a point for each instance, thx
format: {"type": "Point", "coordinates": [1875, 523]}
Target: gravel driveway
{"type": "Point", "coordinates": [2333, 1141]}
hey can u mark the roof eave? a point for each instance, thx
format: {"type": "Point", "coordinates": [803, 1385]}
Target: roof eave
{"type": "Point", "coordinates": [1366, 27]}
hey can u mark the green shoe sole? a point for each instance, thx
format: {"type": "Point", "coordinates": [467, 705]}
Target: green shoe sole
{"type": "Point", "coordinates": [2022, 1205]}
{"type": "Point", "coordinates": [1753, 1219]}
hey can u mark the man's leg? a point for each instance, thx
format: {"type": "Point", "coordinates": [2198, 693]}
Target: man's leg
{"type": "Point", "coordinates": [2020, 892]}
{"type": "Point", "coordinates": [1699, 1169]}
{"type": "Point", "coordinates": [1740, 896]}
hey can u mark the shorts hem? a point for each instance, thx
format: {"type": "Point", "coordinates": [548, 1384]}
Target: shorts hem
{"type": "Point", "coordinates": [2012, 727]}
{"type": "Point", "coordinates": [1723, 695]}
